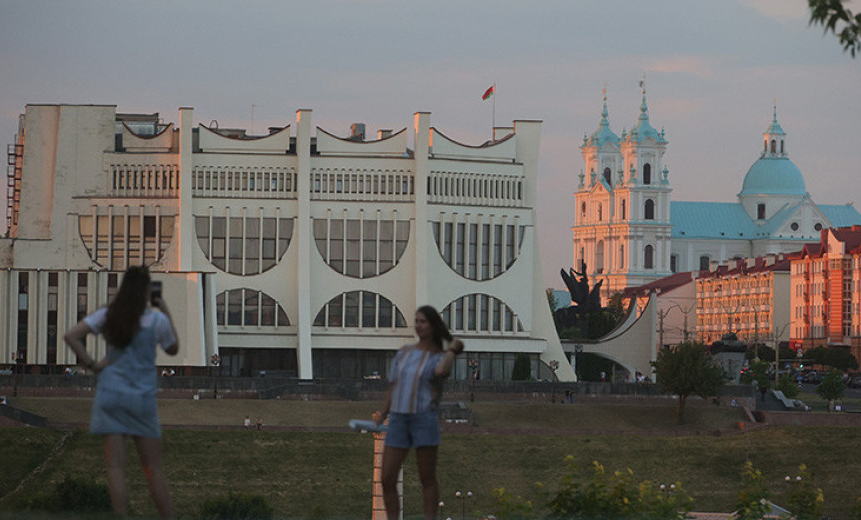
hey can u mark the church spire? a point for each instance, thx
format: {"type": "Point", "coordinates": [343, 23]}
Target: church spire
{"type": "Point", "coordinates": [603, 134]}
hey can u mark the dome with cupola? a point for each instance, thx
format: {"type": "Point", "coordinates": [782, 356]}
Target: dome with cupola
{"type": "Point", "coordinates": [773, 173]}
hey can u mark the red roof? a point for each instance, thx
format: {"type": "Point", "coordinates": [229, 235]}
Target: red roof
{"type": "Point", "coordinates": [664, 285]}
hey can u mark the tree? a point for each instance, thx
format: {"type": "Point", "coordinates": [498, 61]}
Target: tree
{"type": "Point", "coordinates": [831, 15]}
{"type": "Point", "coordinates": [831, 388]}
{"type": "Point", "coordinates": [521, 370]}
{"type": "Point", "coordinates": [758, 373]}
{"type": "Point", "coordinates": [752, 502]}
{"type": "Point", "coordinates": [687, 369]}
{"type": "Point", "coordinates": [788, 386]}
{"type": "Point", "coordinates": [834, 357]}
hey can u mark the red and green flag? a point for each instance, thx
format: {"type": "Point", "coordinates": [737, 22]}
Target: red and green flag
{"type": "Point", "coordinates": [488, 92]}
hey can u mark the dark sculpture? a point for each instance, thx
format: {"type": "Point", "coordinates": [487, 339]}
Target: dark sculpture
{"type": "Point", "coordinates": [584, 301]}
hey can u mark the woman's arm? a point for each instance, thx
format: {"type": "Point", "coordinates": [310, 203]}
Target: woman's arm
{"type": "Point", "coordinates": [162, 306]}
{"type": "Point", "coordinates": [381, 414]}
{"type": "Point", "coordinates": [443, 368]}
{"type": "Point", "coordinates": [75, 338]}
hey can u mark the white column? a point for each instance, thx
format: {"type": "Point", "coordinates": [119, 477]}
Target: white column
{"type": "Point", "coordinates": [421, 122]}
{"type": "Point", "coordinates": [186, 239]}
{"type": "Point", "coordinates": [304, 243]}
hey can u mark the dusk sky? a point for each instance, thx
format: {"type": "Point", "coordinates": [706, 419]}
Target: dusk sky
{"type": "Point", "coordinates": [713, 70]}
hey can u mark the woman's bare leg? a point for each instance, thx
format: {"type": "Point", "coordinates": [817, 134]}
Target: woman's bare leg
{"type": "Point", "coordinates": [426, 459]}
{"type": "Point", "coordinates": [115, 456]}
{"type": "Point", "coordinates": [149, 450]}
{"type": "Point", "coordinates": [393, 459]}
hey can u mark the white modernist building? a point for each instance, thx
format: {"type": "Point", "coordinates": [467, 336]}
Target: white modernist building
{"type": "Point", "coordinates": [297, 251]}
{"type": "Point", "coordinates": [629, 232]}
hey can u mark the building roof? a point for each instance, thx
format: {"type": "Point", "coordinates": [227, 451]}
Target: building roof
{"type": "Point", "coordinates": [603, 134]}
{"type": "Point", "coordinates": [743, 267]}
{"type": "Point", "coordinates": [841, 215]}
{"type": "Point", "coordinates": [773, 176]}
{"type": "Point", "coordinates": [663, 285]}
{"type": "Point", "coordinates": [643, 129]}
{"type": "Point", "coordinates": [716, 220]}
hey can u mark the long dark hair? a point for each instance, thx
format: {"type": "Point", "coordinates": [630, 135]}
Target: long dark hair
{"type": "Point", "coordinates": [127, 307]}
{"type": "Point", "coordinates": [438, 327]}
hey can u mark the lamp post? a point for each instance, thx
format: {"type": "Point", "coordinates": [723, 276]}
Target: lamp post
{"type": "Point", "coordinates": [462, 497]}
{"type": "Point", "coordinates": [215, 359]}
{"type": "Point", "coordinates": [440, 506]}
{"type": "Point", "coordinates": [16, 358]}
{"type": "Point", "coordinates": [473, 372]}
{"type": "Point", "coordinates": [666, 490]}
{"type": "Point", "coordinates": [554, 366]}
{"type": "Point", "coordinates": [578, 349]}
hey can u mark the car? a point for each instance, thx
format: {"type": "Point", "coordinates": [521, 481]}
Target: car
{"type": "Point", "coordinates": [812, 377]}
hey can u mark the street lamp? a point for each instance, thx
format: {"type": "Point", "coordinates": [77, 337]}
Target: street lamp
{"type": "Point", "coordinates": [462, 497]}
{"type": "Point", "coordinates": [554, 366]}
{"type": "Point", "coordinates": [666, 490]}
{"type": "Point", "coordinates": [473, 372]}
{"type": "Point", "coordinates": [440, 506]}
{"type": "Point", "coordinates": [215, 359]}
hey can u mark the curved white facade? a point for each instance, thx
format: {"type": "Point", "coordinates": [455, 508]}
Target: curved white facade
{"type": "Point", "coordinates": [297, 251]}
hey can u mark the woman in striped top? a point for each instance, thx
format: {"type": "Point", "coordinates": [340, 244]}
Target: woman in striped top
{"type": "Point", "coordinates": [415, 389]}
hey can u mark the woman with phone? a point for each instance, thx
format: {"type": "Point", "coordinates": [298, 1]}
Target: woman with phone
{"type": "Point", "coordinates": [125, 402]}
{"type": "Point", "coordinates": [415, 390]}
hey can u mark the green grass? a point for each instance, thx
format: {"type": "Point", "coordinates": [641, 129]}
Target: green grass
{"type": "Point", "coordinates": [328, 474]}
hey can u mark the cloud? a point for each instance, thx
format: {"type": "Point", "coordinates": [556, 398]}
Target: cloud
{"type": "Point", "coordinates": [779, 10]}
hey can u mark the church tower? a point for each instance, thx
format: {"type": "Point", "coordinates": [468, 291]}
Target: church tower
{"type": "Point", "coordinates": [622, 218]}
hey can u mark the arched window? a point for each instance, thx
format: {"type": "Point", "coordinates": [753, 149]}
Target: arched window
{"type": "Point", "coordinates": [622, 256]}
{"type": "Point", "coordinates": [583, 211]}
{"type": "Point", "coordinates": [647, 173]}
{"type": "Point", "coordinates": [607, 176]}
{"type": "Point", "coordinates": [624, 208]}
{"type": "Point", "coordinates": [649, 257]}
{"type": "Point", "coordinates": [765, 145]}
{"type": "Point", "coordinates": [773, 146]}
{"type": "Point", "coordinates": [600, 212]}
{"type": "Point", "coordinates": [760, 211]}
{"type": "Point", "coordinates": [781, 146]}
{"type": "Point", "coordinates": [649, 210]}
{"type": "Point", "coordinates": [582, 261]}
{"type": "Point", "coordinates": [704, 262]}
{"type": "Point", "coordinates": [599, 256]}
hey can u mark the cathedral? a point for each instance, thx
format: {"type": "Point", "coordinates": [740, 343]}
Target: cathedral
{"type": "Point", "coordinates": [628, 232]}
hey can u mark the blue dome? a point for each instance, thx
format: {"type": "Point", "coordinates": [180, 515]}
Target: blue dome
{"type": "Point", "coordinates": [773, 176]}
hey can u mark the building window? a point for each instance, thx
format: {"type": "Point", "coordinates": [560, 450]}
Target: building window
{"type": "Point", "coordinates": [647, 173]}
{"type": "Point", "coordinates": [361, 248]}
{"type": "Point", "coordinates": [599, 257]}
{"type": "Point", "coordinates": [648, 257]}
{"type": "Point", "coordinates": [624, 208]}
{"type": "Point", "coordinates": [773, 146]}
{"type": "Point", "coordinates": [781, 146]}
{"type": "Point", "coordinates": [794, 226]}
{"type": "Point", "coordinates": [608, 176]}
{"type": "Point", "coordinates": [674, 259]}
{"type": "Point", "coordinates": [361, 309]}
{"type": "Point", "coordinates": [704, 262]}
{"type": "Point", "coordinates": [119, 241]}
{"type": "Point", "coordinates": [480, 313]}
{"type": "Point", "coordinates": [582, 212]}
{"type": "Point", "coordinates": [243, 246]}
{"type": "Point", "coordinates": [53, 297]}
{"type": "Point", "coordinates": [23, 313]}
{"type": "Point", "coordinates": [760, 211]}
{"type": "Point", "coordinates": [478, 251]}
{"type": "Point", "coordinates": [248, 307]}
{"type": "Point", "coordinates": [622, 256]}
{"type": "Point", "coordinates": [600, 212]}
{"type": "Point", "coordinates": [817, 226]}
{"type": "Point", "coordinates": [649, 210]}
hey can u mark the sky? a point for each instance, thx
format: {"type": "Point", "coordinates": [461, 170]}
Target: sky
{"type": "Point", "coordinates": [713, 71]}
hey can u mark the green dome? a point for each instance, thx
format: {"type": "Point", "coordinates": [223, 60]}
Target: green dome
{"type": "Point", "coordinates": [773, 176]}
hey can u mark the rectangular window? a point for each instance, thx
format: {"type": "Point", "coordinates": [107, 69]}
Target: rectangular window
{"type": "Point", "coordinates": [369, 248]}
{"type": "Point", "coordinates": [234, 307]}
{"type": "Point", "coordinates": [485, 251]}
{"type": "Point", "coordinates": [219, 308]}
{"type": "Point", "coordinates": [510, 250]}
{"type": "Point", "coordinates": [459, 253]}
{"type": "Point", "coordinates": [369, 310]}
{"type": "Point", "coordinates": [447, 245]}
{"type": "Point", "coordinates": [497, 249]}
{"type": "Point", "coordinates": [473, 252]}
{"type": "Point", "coordinates": [351, 309]}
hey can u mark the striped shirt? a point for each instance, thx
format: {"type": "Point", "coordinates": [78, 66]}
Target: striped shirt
{"type": "Point", "coordinates": [415, 389]}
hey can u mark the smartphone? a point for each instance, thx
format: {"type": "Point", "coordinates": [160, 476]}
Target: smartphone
{"type": "Point", "coordinates": [155, 292]}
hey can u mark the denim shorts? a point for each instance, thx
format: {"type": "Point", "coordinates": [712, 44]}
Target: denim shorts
{"type": "Point", "coordinates": [413, 430]}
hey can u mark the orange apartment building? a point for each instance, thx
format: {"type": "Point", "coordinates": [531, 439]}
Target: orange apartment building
{"type": "Point", "coordinates": [745, 296]}
{"type": "Point", "coordinates": [826, 291]}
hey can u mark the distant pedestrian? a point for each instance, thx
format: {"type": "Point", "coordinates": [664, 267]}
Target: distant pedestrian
{"type": "Point", "coordinates": [126, 384]}
{"type": "Point", "coordinates": [247, 422]}
{"type": "Point", "coordinates": [603, 376]}
{"type": "Point", "coordinates": [259, 424]}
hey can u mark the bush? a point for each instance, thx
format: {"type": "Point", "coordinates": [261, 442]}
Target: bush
{"type": "Point", "coordinates": [237, 506]}
{"type": "Point", "coordinates": [786, 385]}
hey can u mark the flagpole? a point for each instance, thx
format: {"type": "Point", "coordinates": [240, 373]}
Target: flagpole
{"type": "Point", "coordinates": [493, 121]}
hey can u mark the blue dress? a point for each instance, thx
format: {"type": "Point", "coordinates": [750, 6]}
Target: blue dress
{"type": "Point", "coordinates": [125, 401]}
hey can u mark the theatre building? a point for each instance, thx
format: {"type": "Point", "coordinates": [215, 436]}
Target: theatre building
{"type": "Point", "coordinates": [297, 252]}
